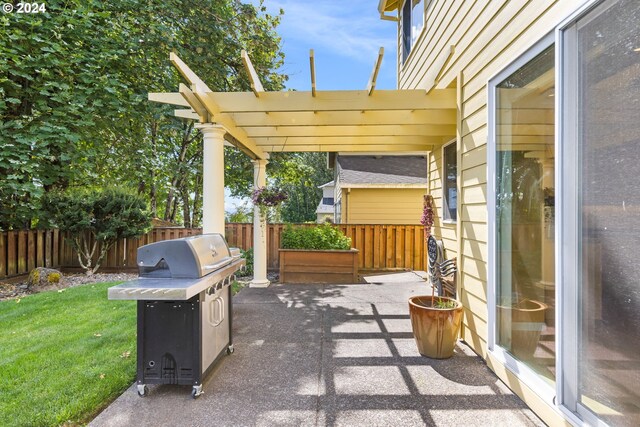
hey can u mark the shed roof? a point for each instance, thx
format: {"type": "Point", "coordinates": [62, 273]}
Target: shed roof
{"type": "Point", "coordinates": [385, 171]}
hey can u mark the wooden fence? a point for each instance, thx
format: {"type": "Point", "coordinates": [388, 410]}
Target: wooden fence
{"type": "Point", "coordinates": [382, 247]}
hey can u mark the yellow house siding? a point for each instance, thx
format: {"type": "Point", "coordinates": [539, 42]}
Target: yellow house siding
{"type": "Point", "coordinates": [488, 35]}
{"type": "Point", "coordinates": [445, 231]}
{"type": "Point", "coordinates": [384, 205]}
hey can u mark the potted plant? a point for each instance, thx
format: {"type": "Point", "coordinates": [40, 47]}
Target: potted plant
{"type": "Point", "coordinates": [436, 324]}
{"type": "Point", "coordinates": [318, 254]}
{"type": "Point", "coordinates": [435, 320]}
{"type": "Point", "coordinates": [267, 197]}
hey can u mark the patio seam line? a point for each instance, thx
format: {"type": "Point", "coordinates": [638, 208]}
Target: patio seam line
{"type": "Point", "coordinates": [320, 359]}
{"type": "Point", "coordinates": [404, 372]}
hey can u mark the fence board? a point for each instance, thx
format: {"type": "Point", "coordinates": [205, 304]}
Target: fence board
{"type": "Point", "coordinates": [31, 250]}
{"type": "Point", "coordinates": [381, 247]}
{"type": "Point", "coordinates": [3, 254]}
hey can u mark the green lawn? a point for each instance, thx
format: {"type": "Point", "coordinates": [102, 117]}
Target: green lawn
{"type": "Point", "coordinates": [64, 355]}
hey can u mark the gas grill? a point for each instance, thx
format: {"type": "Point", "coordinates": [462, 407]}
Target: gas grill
{"type": "Point", "coordinates": [184, 308]}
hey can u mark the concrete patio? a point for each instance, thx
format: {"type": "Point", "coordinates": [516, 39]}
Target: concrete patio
{"type": "Point", "coordinates": [329, 355]}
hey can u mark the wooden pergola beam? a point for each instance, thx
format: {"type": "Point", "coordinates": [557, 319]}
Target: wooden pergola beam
{"type": "Point", "coordinates": [350, 130]}
{"type": "Point", "coordinates": [374, 75]}
{"type": "Point", "coordinates": [346, 118]}
{"type": "Point", "coordinates": [248, 146]}
{"type": "Point", "coordinates": [292, 101]}
{"type": "Point", "coordinates": [256, 85]}
{"type": "Point", "coordinates": [328, 148]}
{"type": "Point", "coordinates": [352, 141]}
{"type": "Point", "coordinates": [186, 72]}
{"type": "Point", "coordinates": [194, 102]}
{"type": "Point", "coordinates": [312, 65]}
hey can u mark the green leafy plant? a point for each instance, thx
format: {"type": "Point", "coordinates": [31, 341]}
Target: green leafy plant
{"type": "Point", "coordinates": [444, 303]}
{"type": "Point", "coordinates": [267, 197]}
{"type": "Point", "coordinates": [248, 256]}
{"type": "Point", "coordinates": [94, 221]}
{"type": "Point", "coordinates": [322, 237]}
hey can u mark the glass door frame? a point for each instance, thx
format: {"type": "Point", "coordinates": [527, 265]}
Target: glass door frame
{"type": "Point", "coordinates": [569, 219]}
{"type": "Point", "coordinates": [518, 368]}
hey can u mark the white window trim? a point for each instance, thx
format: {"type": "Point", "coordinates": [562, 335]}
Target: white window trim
{"type": "Point", "coordinates": [568, 254]}
{"type": "Point", "coordinates": [443, 179]}
{"type": "Point", "coordinates": [420, 36]}
{"type": "Point", "coordinates": [518, 368]}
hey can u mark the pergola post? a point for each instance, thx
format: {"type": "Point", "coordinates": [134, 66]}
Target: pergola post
{"type": "Point", "coordinates": [212, 178]}
{"type": "Point", "coordinates": [259, 230]}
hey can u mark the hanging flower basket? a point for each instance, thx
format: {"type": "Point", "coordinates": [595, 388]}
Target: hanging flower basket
{"type": "Point", "coordinates": [267, 197]}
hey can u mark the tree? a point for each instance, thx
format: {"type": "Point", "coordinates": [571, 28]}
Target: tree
{"type": "Point", "coordinates": [73, 96]}
{"type": "Point", "coordinates": [96, 220]}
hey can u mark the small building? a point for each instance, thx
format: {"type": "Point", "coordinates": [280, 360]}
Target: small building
{"type": "Point", "coordinates": [376, 189]}
{"type": "Point", "coordinates": [325, 211]}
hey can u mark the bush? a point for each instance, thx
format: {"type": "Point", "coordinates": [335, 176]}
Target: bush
{"type": "Point", "coordinates": [248, 256]}
{"type": "Point", "coordinates": [95, 220]}
{"type": "Point", "coordinates": [322, 237]}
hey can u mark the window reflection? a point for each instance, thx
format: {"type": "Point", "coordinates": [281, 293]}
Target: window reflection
{"type": "Point", "coordinates": [525, 203]}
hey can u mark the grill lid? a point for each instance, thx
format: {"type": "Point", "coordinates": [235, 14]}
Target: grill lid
{"type": "Point", "coordinates": [186, 258]}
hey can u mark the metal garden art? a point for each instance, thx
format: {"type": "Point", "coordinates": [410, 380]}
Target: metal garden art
{"type": "Point", "coordinates": [435, 320]}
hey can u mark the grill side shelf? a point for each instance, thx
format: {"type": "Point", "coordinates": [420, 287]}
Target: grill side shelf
{"type": "Point", "coordinates": [173, 289]}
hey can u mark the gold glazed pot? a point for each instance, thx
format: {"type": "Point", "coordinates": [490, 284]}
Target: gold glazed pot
{"type": "Point", "coordinates": [435, 329]}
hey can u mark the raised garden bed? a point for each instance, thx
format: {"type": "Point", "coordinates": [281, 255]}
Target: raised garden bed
{"type": "Point", "coordinates": [321, 254]}
{"type": "Point", "coordinates": [318, 266]}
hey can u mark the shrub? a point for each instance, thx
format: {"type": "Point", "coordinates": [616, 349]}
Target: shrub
{"type": "Point", "coordinates": [248, 256]}
{"type": "Point", "coordinates": [96, 220]}
{"type": "Point", "coordinates": [322, 237]}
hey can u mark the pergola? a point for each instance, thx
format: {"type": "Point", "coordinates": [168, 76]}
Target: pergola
{"type": "Point", "coordinates": [260, 122]}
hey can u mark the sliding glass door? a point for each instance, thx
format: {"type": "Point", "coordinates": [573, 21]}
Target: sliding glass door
{"type": "Point", "coordinates": [601, 138]}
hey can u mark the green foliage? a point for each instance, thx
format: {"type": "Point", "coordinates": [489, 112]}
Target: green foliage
{"type": "Point", "coordinates": [73, 96]}
{"type": "Point", "coordinates": [444, 303]}
{"type": "Point", "coordinates": [248, 256]}
{"type": "Point", "coordinates": [242, 214]}
{"type": "Point", "coordinates": [298, 174]}
{"type": "Point", "coordinates": [96, 218]}
{"type": "Point", "coordinates": [64, 355]}
{"type": "Point", "coordinates": [322, 237]}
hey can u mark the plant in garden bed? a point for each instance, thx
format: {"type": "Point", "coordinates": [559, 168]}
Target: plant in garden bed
{"type": "Point", "coordinates": [318, 254]}
{"type": "Point", "coordinates": [62, 366]}
{"type": "Point", "coordinates": [267, 197]}
{"type": "Point", "coordinates": [322, 237]}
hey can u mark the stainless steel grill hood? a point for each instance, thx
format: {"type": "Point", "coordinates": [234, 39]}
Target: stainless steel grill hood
{"type": "Point", "coordinates": [181, 268]}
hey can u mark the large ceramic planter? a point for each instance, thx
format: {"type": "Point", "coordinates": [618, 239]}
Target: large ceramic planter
{"type": "Point", "coordinates": [525, 321]}
{"type": "Point", "coordinates": [315, 266]}
{"type": "Point", "coordinates": [435, 330]}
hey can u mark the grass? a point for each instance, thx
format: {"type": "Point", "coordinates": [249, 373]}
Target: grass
{"type": "Point", "coordinates": [64, 355]}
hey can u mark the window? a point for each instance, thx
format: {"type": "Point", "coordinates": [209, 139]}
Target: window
{"type": "Point", "coordinates": [327, 201]}
{"type": "Point", "coordinates": [412, 19]}
{"type": "Point", "coordinates": [522, 214]}
{"type": "Point", "coordinates": [449, 182]}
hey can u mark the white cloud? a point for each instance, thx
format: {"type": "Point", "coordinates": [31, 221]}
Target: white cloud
{"type": "Point", "coordinates": [351, 29]}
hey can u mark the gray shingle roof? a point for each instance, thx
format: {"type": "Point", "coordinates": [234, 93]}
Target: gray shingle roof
{"type": "Point", "coordinates": [382, 170]}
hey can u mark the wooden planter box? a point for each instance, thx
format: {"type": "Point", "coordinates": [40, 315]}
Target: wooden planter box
{"type": "Point", "coordinates": [314, 266]}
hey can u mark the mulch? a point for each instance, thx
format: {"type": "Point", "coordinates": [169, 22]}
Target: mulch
{"type": "Point", "coordinates": [10, 291]}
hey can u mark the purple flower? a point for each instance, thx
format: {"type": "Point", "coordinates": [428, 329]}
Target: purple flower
{"type": "Point", "coordinates": [265, 196]}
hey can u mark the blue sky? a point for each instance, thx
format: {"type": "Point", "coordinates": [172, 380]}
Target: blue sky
{"type": "Point", "coordinates": [345, 37]}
